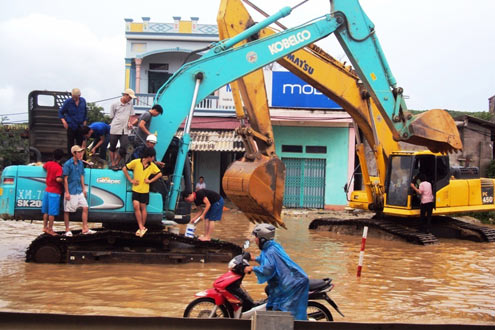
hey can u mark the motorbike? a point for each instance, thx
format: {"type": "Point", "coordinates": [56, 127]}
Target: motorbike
{"type": "Point", "coordinates": [228, 299]}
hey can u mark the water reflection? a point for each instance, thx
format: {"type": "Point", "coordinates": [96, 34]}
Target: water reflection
{"type": "Point", "coordinates": [451, 282]}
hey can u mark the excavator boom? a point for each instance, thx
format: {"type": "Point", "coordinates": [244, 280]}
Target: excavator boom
{"type": "Point", "coordinates": [380, 128]}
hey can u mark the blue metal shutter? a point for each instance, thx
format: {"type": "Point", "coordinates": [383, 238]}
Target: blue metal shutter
{"type": "Point", "coordinates": [304, 183]}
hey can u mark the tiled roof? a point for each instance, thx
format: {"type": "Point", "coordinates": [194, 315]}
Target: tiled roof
{"type": "Point", "coordinates": [214, 140]}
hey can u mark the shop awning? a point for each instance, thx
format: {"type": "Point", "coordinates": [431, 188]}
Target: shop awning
{"type": "Point", "coordinates": [214, 140]}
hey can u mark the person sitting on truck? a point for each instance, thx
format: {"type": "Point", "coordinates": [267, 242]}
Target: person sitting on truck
{"type": "Point", "coordinates": [50, 206]}
{"type": "Point", "coordinates": [212, 211]}
{"type": "Point", "coordinates": [120, 112]}
{"type": "Point", "coordinates": [75, 190]}
{"type": "Point", "coordinates": [288, 284]}
{"type": "Point", "coordinates": [100, 132]}
{"type": "Point", "coordinates": [142, 168]}
{"type": "Point", "coordinates": [74, 114]}
{"type": "Point", "coordinates": [143, 124]}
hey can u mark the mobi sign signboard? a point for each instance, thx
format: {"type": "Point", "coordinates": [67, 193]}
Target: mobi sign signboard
{"type": "Point", "coordinates": [290, 91]}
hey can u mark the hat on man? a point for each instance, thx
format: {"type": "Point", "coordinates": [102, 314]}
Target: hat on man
{"type": "Point", "coordinates": [76, 92]}
{"type": "Point", "coordinates": [151, 138]}
{"type": "Point", "coordinates": [130, 92]}
{"type": "Point", "coordinates": [75, 148]}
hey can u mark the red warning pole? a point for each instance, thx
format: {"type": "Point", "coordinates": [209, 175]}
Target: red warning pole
{"type": "Point", "coordinates": [361, 253]}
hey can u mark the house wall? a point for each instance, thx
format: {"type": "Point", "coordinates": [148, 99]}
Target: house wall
{"type": "Point", "coordinates": [477, 147]}
{"type": "Point", "coordinates": [336, 139]}
{"type": "Point", "coordinates": [174, 61]}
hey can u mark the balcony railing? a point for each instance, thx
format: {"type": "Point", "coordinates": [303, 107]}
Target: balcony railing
{"type": "Point", "coordinates": [145, 101]}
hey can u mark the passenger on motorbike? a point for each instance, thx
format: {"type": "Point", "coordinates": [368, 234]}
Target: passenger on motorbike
{"type": "Point", "coordinates": [288, 284]}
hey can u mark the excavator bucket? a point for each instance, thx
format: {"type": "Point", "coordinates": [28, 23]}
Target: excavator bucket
{"type": "Point", "coordinates": [257, 188]}
{"type": "Point", "coordinates": [436, 130]}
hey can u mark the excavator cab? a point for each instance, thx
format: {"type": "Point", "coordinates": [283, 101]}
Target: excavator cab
{"type": "Point", "coordinates": [404, 169]}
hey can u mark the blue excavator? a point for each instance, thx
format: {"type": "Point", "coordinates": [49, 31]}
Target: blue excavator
{"type": "Point", "coordinates": [109, 193]}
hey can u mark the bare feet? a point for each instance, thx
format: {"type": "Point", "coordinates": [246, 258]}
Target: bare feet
{"type": "Point", "coordinates": [49, 232]}
{"type": "Point", "coordinates": [203, 238]}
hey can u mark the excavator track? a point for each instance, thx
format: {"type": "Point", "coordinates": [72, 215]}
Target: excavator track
{"type": "Point", "coordinates": [486, 234]}
{"type": "Point", "coordinates": [113, 246]}
{"type": "Point", "coordinates": [407, 229]}
{"type": "Point", "coordinates": [389, 226]}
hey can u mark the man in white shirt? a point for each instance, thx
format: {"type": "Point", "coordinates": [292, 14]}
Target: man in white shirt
{"type": "Point", "coordinates": [201, 184]}
{"type": "Point", "coordinates": [120, 112]}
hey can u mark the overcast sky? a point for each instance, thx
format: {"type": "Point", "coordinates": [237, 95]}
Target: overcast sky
{"type": "Point", "coordinates": [440, 51]}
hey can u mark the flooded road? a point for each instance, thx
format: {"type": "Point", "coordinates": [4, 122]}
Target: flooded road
{"type": "Point", "coordinates": [450, 282]}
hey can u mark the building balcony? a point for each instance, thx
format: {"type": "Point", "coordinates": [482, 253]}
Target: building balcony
{"type": "Point", "coordinates": [210, 106]}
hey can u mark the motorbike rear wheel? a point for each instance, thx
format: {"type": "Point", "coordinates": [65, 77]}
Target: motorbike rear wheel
{"type": "Point", "coordinates": [318, 312]}
{"type": "Point", "coordinates": [201, 308]}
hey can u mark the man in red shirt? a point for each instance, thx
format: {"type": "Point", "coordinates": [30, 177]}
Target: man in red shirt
{"type": "Point", "coordinates": [51, 198]}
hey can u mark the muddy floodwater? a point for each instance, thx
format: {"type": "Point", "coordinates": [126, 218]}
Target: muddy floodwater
{"type": "Point", "coordinates": [450, 282]}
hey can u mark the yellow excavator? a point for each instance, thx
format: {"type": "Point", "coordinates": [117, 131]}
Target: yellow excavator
{"type": "Point", "coordinates": [255, 183]}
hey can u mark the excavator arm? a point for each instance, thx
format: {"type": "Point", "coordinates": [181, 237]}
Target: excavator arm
{"type": "Point", "coordinates": [358, 38]}
{"type": "Point", "coordinates": [228, 60]}
{"type": "Point", "coordinates": [223, 63]}
{"type": "Point", "coordinates": [339, 83]}
{"type": "Point", "coordinates": [322, 71]}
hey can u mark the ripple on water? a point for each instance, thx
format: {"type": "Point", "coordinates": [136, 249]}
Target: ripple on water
{"type": "Point", "coordinates": [450, 282]}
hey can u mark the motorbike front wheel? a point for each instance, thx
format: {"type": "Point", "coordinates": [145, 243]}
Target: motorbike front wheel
{"type": "Point", "coordinates": [202, 308]}
{"type": "Point", "coordinates": [318, 312]}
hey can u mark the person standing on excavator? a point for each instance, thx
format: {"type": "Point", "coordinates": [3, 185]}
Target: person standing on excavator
{"type": "Point", "coordinates": [427, 204]}
{"type": "Point", "coordinates": [100, 132]}
{"type": "Point", "coordinates": [142, 168]}
{"type": "Point", "coordinates": [120, 112]}
{"type": "Point", "coordinates": [288, 284]}
{"type": "Point", "coordinates": [75, 190]}
{"type": "Point", "coordinates": [50, 206]}
{"type": "Point", "coordinates": [143, 123]}
{"type": "Point", "coordinates": [74, 115]}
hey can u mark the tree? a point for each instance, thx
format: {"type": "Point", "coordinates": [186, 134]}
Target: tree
{"type": "Point", "coordinates": [14, 145]}
{"type": "Point", "coordinates": [95, 113]}
{"type": "Point", "coordinates": [491, 170]}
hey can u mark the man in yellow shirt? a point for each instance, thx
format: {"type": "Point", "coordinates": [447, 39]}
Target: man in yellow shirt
{"type": "Point", "coordinates": [142, 168]}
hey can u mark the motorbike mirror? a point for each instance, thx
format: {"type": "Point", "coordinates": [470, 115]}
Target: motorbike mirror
{"type": "Point", "coordinates": [246, 245]}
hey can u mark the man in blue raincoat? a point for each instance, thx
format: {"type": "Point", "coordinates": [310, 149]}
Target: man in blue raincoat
{"type": "Point", "coordinates": [288, 284]}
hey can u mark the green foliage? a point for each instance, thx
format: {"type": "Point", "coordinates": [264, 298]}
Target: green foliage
{"type": "Point", "coordinates": [484, 115]}
{"type": "Point", "coordinates": [484, 217]}
{"type": "Point", "coordinates": [95, 113]}
{"type": "Point", "coordinates": [491, 170]}
{"type": "Point", "coordinates": [14, 145]}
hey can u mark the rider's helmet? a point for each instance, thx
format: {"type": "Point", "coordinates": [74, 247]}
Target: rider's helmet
{"type": "Point", "coordinates": [264, 232]}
